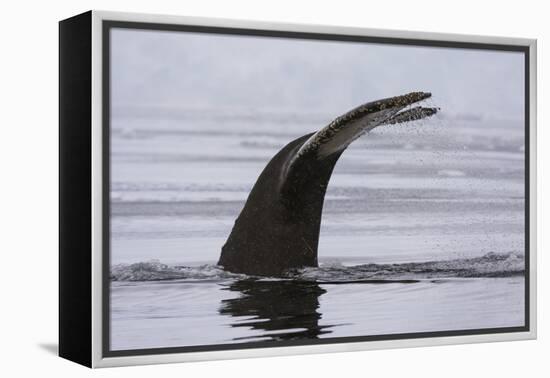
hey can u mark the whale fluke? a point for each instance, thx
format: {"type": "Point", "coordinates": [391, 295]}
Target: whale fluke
{"type": "Point", "coordinates": [278, 228]}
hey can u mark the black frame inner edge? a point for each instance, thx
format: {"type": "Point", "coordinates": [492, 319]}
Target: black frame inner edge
{"type": "Point", "coordinates": [107, 25]}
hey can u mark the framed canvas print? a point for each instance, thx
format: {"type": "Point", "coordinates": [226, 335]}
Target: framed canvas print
{"type": "Point", "coordinates": [233, 189]}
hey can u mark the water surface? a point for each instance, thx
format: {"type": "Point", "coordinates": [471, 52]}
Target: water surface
{"type": "Point", "coordinates": [422, 230]}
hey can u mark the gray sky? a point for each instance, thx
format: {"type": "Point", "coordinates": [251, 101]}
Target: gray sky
{"type": "Point", "coordinates": [155, 69]}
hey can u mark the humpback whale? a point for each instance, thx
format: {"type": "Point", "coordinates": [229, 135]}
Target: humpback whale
{"type": "Point", "coordinates": [278, 227]}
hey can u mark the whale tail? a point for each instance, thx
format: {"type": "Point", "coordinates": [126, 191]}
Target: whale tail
{"type": "Point", "coordinates": [278, 228]}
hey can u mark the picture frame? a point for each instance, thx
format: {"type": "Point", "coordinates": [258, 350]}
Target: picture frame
{"type": "Point", "coordinates": [88, 59]}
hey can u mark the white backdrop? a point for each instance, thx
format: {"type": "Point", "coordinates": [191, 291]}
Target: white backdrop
{"type": "Point", "coordinates": [29, 185]}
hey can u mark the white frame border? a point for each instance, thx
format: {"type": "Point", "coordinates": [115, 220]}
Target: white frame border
{"type": "Point", "coordinates": [99, 361]}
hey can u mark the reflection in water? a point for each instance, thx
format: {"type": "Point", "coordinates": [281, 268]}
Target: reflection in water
{"type": "Point", "coordinates": [285, 310]}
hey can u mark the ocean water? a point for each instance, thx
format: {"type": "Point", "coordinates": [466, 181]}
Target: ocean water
{"type": "Point", "coordinates": [422, 230]}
